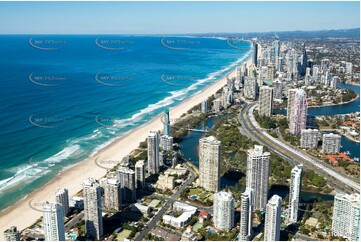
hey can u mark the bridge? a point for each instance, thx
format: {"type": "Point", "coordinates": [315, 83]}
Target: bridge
{"type": "Point", "coordinates": [204, 130]}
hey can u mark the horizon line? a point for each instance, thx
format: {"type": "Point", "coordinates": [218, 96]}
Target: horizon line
{"type": "Point", "coordinates": [195, 33]}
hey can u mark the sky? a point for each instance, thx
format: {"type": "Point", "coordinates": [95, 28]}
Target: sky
{"type": "Point", "coordinates": [174, 17]}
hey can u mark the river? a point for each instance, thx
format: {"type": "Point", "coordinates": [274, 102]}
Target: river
{"type": "Point", "coordinates": [189, 148]}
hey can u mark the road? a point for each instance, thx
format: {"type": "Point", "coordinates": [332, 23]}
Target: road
{"type": "Point", "coordinates": [153, 222]}
{"type": "Point", "coordinates": [74, 221]}
{"type": "Point", "coordinates": [207, 209]}
{"type": "Point", "coordinates": [294, 156]}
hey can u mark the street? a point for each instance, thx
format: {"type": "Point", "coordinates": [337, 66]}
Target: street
{"type": "Point", "coordinates": [153, 222]}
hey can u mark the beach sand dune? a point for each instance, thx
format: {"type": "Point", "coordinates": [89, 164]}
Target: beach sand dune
{"type": "Point", "coordinates": [22, 216]}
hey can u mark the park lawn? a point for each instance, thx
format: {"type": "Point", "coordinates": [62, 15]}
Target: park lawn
{"type": "Point", "coordinates": [202, 196]}
{"type": "Point", "coordinates": [194, 191]}
{"type": "Point", "coordinates": [123, 235]}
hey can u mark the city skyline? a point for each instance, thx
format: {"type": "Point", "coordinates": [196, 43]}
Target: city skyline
{"type": "Point", "coordinates": [252, 137]}
{"type": "Point", "coordinates": [165, 17]}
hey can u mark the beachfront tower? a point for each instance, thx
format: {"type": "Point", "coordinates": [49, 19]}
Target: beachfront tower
{"type": "Point", "coordinates": [93, 209]}
{"type": "Point", "coordinates": [139, 174]}
{"type": "Point", "coordinates": [126, 177]}
{"type": "Point", "coordinates": [294, 196]}
{"type": "Point", "coordinates": [166, 123]}
{"type": "Point", "coordinates": [153, 152]}
{"type": "Point", "coordinates": [223, 210]}
{"type": "Point", "coordinates": [53, 220]}
{"type": "Point", "coordinates": [62, 198]}
{"type": "Point", "coordinates": [112, 194]}
{"type": "Point", "coordinates": [257, 175]}
{"type": "Point", "coordinates": [204, 106]}
{"type": "Point", "coordinates": [246, 231]}
{"type": "Point", "coordinates": [273, 219]}
{"type": "Point", "coordinates": [209, 162]}
{"type": "Point", "coordinates": [255, 53]}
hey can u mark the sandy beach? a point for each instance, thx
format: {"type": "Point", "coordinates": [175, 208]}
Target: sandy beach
{"type": "Point", "coordinates": [22, 216]}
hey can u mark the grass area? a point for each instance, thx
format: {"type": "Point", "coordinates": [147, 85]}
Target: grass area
{"type": "Point", "coordinates": [123, 235]}
{"type": "Point", "coordinates": [195, 191]}
{"type": "Point", "coordinates": [197, 226]}
{"type": "Point", "coordinates": [203, 195]}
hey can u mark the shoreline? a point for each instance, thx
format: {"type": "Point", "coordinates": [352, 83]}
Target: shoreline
{"type": "Point", "coordinates": [337, 104]}
{"type": "Point", "coordinates": [21, 215]}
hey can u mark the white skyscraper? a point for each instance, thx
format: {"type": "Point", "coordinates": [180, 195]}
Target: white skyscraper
{"type": "Point", "coordinates": [331, 143]}
{"type": "Point", "coordinates": [204, 106]}
{"type": "Point", "coordinates": [250, 88]}
{"type": "Point", "coordinates": [166, 142]}
{"type": "Point", "coordinates": [53, 220]}
{"type": "Point", "coordinates": [325, 65]}
{"type": "Point", "coordinates": [273, 219]}
{"type": "Point", "coordinates": [257, 175]}
{"type": "Point", "coordinates": [209, 162]}
{"type": "Point", "coordinates": [62, 198]}
{"type": "Point", "coordinates": [297, 110]}
{"type": "Point", "coordinates": [294, 196]}
{"type": "Point", "coordinates": [217, 103]}
{"type": "Point", "coordinates": [223, 210]}
{"type": "Point", "coordinates": [265, 100]}
{"type": "Point", "coordinates": [246, 231]}
{"type": "Point", "coordinates": [153, 152]}
{"type": "Point", "coordinates": [277, 89]}
{"type": "Point", "coordinates": [139, 174]}
{"type": "Point", "coordinates": [346, 216]}
{"type": "Point", "coordinates": [112, 194]}
{"type": "Point", "coordinates": [309, 138]}
{"type": "Point", "coordinates": [349, 68]}
{"type": "Point", "coordinates": [93, 209]}
{"type": "Point", "coordinates": [315, 73]}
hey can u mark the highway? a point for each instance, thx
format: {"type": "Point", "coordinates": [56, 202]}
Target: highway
{"type": "Point", "coordinates": [153, 222]}
{"type": "Point", "coordinates": [294, 156]}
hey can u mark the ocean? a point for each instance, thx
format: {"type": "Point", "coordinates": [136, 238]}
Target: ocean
{"type": "Point", "coordinates": [64, 97]}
